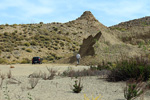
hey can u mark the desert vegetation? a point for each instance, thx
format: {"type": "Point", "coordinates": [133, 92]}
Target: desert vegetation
{"type": "Point", "coordinates": [134, 72]}
{"type": "Point", "coordinates": [59, 42]}
{"type": "Point", "coordinates": [132, 68]}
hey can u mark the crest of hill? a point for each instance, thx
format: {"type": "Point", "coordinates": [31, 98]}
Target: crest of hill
{"type": "Point", "coordinates": [100, 41]}
{"type": "Point", "coordinates": [87, 15]}
{"type": "Point", "coordinates": [88, 22]}
{"type": "Point", "coordinates": [92, 26]}
{"type": "Point", "coordinates": [145, 21]}
{"type": "Point", "coordinates": [133, 31]}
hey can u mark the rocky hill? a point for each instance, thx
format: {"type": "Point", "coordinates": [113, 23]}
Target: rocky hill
{"type": "Point", "coordinates": [59, 42]}
{"type": "Point", "coordinates": [135, 32]}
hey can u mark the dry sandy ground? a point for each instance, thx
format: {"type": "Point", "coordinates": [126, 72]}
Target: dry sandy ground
{"type": "Point", "coordinates": [60, 87]}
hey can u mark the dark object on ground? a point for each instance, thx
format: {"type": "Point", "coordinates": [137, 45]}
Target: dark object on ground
{"type": "Point", "coordinates": [36, 60]}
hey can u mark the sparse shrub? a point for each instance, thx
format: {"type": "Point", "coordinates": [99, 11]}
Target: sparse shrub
{"type": "Point", "coordinates": [1, 47]}
{"type": "Point", "coordinates": [133, 68]}
{"type": "Point", "coordinates": [52, 73]}
{"type": "Point", "coordinates": [15, 31]}
{"type": "Point", "coordinates": [27, 44]}
{"type": "Point", "coordinates": [3, 61]}
{"type": "Point", "coordinates": [134, 88]}
{"type": "Point", "coordinates": [44, 61]}
{"type": "Point", "coordinates": [7, 50]}
{"type": "Point", "coordinates": [2, 26]}
{"type": "Point", "coordinates": [49, 58]}
{"type": "Point", "coordinates": [39, 50]}
{"type": "Point", "coordinates": [25, 61]}
{"type": "Point", "coordinates": [140, 44]}
{"type": "Point", "coordinates": [62, 44]}
{"type": "Point", "coordinates": [6, 93]}
{"type": "Point", "coordinates": [55, 28]}
{"type": "Point", "coordinates": [41, 23]}
{"type": "Point", "coordinates": [58, 57]}
{"type": "Point", "coordinates": [2, 77]}
{"type": "Point", "coordinates": [108, 66]}
{"type": "Point", "coordinates": [33, 82]}
{"type": "Point", "coordinates": [74, 33]}
{"type": "Point", "coordinates": [23, 48]}
{"type": "Point", "coordinates": [30, 97]}
{"type": "Point", "coordinates": [6, 24]}
{"type": "Point", "coordinates": [9, 74]}
{"type": "Point", "coordinates": [44, 75]}
{"type": "Point", "coordinates": [14, 24]}
{"type": "Point", "coordinates": [77, 87]}
{"type": "Point", "coordinates": [6, 33]}
{"type": "Point", "coordinates": [33, 42]}
{"type": "Point", "coordinates": [59, 32]}
{"type": "Point", "coordinates": [8, 57]}
{"type": "Point", "coordinates": [118, 28]}
{"type": "Point", "coordinates": [67, 33]}
{"type": "Point", "coordinates": [85, 72]}
{"type": "Point", "coordinates": [29, 50]}
{"type": "Point", "coordinates": [56, 48]}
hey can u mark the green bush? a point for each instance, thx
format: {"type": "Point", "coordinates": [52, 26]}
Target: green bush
{"type": "Point", "coordinates": [77, 87]}
{"type": "Point", "coordinates": [41, 23]}
{"type": "Point", "coordinates": [2, 26]}
{"type": "Point", "coordinates": [6, 33]}
{"type": "Point", "coordinates": [23, 48]}
{"type": "Point", "coordinates": [86, 72]}
{"type": "Point", "coordinates": [28, 50]}
{"type": "Point", "coordinates": [6, 24]}
{"type": "Point", "coordinates": [33, 42]}
{"type": "Point", "coordinates": [133, 68]}
{"type": "Point", "coordinates": [25, 61]}
{"type": "Point", "coordinates": [3, 61]}
{"type": "Point", "coordinates": [74, 33]}
{"type": "Point", "coordinates": [134, 88]}
{"type": "Point", "coordinates": [27, 44]}
{"type": "Point", "coordinates": [55, 28]}
{"type": "Point", "coordinates": [49, 58]}
{"type": "Point", "coordinates": [15, 31]}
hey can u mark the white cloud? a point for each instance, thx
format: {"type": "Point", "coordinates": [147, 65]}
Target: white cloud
{"type": "Point", "coordinates": [26, 7]}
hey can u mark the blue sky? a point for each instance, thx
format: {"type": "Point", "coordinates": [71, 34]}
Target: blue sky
{"type": "Point", "coordinates": [108, 12]}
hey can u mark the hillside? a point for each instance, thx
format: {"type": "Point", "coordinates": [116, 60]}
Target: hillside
{"type": "Point", "coordinates": [57, 42]}
{"type": "Point", "coordinates": [135, 32]}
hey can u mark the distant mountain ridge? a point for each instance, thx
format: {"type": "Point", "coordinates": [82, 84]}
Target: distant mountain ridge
{"type": "Point", "coordinates": [132, 23]}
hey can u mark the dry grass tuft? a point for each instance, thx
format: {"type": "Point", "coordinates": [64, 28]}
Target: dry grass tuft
{"type": "Point", "coordinates": [44, 75]}
{"type": "Point", "coordinates": [2, 77]}
{"type": "Point", "coordinates": [33, 82]}
{"type": "Point", "coordinates": [9, 74]}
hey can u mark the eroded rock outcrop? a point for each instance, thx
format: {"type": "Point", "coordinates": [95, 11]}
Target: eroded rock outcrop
{"type": "Point", "coordinates": [87, 48]}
